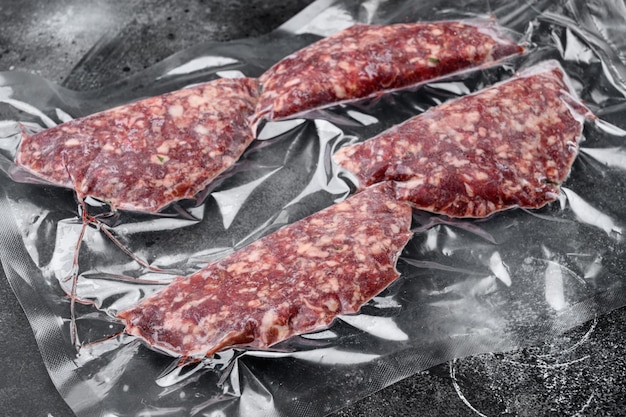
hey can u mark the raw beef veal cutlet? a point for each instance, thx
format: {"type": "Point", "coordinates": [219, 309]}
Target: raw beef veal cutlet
{"type": "Point", "coordinates": [510, 145]}
{"type": "Point", "coordinates": [293, 281]}
{"type": "Point", "coordinates": [148, 154]}
{"type": "Point", "coordinates": [363, 60]}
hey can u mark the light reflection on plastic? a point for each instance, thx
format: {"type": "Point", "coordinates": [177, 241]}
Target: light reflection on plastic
{"type": "Point", "coordinates": [431, 239]}
{"type": "Point", "coordinates": [8, 128]}
{"type": "Point", "coordinates": [5, 91]}
{"type": "Point", "coordinates": [449, 250]}
{"type": "Point", "coordinates": [163, 223]}
{"type": "Point", "coordinates": [364, 119]}
{"type": "Point", "coordinates": [383, 327]}
{"type": "Point", "coordinates": [554, 291]}
{"type": "Point", "coordinates": [113, 369]}
{"type": "Point", "coordinates": [325, 334]}
{"type": "Point", "coordinates": [107, 291]}
{"type": "Point", "coordinates": [31, 221]}
{"type": "Point", "coordinates": [485, 286]}
{"type": "Point", "coordinates": [334, 356]}
{"type": "Point", "coordinates": [386, 302]}
{"type": "Point", "coordinates": [576, 51]}
{"type": "Point", "coordinates": [200, 64]}
{"type": "Point", "coordinates": [327, 133]}
{"type": "Point", "coordinates": [499, 269]}
{"type": "Point", "coordinates": [230, 201]}
{"type": "Point", "coordinates": [256, 401]}
{"type": "Point", "coordinates": [209, 255]}
{"type": "Point", "coordinates": [609, 128]}
{"type": "Point", "coordinates": [473, 288]}
{"type": "Point", "coordinates": [274, 129]}
{"type": "Point", "coordinates": [323, 356]}
{"type": "Point", "coordinates": [30, 109]}
{"type": "Point", "coordinates": [458, 88]}
{"type": "Point", "coordinates": [176, 374]}
{"type": "Point", "coordinates": [230, 74]}
{"type": "Point", "coordinates": [162, 411]}
{"type": "Point", "coordinates": [612, 157]}
{"type": "Point", "coordinates": [323, 22]}
{"type": "Point", "coordinates": [62, 260]}
{"type": "Point", "coordinates": [594, 268]}
{"type": "Point", "coordinates": [590, 215]}
{"type": "Point", "coordinates": [370, 7]}
{"type": "Point", "coordinates": [63, 116]}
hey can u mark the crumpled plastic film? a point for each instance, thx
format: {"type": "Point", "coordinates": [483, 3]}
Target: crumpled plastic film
{"type": "Point", "coordinates": [467, 286]}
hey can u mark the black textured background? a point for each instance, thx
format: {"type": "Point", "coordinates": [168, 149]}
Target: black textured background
{"type": "Point", "coordinates": [85, 44]}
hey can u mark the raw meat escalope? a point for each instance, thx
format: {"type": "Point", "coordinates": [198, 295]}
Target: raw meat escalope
{"type": "Point", "coordinates": [509, 145]}
{"type": "Point", "coordinates": [293, 281]}
{"type": "Point", "coordinates": [148, 154]}
{"type": "Point", "coordinates": [364, 60]}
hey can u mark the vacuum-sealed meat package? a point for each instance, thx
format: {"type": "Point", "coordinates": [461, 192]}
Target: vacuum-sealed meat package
{"type": "Point", "coordinates": [509, 145]}
{"type": "Point", "coordinates": [293, 281]}
{"type": "Point", "coordinates": [221, 312]}
{"type": "Point", "coordinates": [148, 154]}
{"type": "Point", "coordinates": [364, 60]}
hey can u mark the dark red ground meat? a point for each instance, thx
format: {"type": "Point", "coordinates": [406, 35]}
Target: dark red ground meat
{"type": "Point", "coordinates": [148, 154]}
{"type": "Point", "coordinates": [295, 280]}
{"type": "Point", "coordinates": [365, 59]}
{"type": "Point", "coordinates": [510, 145]}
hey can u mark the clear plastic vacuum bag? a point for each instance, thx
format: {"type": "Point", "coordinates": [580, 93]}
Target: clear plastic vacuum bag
{"type": "Point", "coordinates": [467, 286]}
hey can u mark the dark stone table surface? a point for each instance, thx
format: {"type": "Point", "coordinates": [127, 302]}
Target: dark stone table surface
{"type": "Point", "coordinates": [579, 373]}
